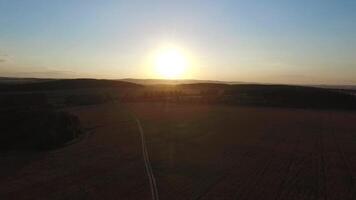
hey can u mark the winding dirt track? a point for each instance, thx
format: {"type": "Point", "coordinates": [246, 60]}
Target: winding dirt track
{"type": "Point", "coordinates": [146, 158]}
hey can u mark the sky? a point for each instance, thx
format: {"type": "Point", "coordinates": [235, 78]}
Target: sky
{"type": "Point", "coordinates": [271, 41]}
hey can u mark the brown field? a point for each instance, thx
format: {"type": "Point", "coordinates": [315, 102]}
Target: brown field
{"type": "Point", "coordinates": [197, 152]}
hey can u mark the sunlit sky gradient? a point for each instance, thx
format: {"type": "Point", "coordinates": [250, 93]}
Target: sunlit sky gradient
{"type": "Point", "coordinates": [282, 41]}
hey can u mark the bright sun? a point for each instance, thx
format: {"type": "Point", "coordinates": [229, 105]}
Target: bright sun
{"type": "Point", "coordinates": [170, 63]}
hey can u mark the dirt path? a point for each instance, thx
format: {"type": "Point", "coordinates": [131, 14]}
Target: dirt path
{"type": "Point", "coordinates": [149, 171]}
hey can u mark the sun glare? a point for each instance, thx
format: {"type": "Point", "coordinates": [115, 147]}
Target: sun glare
{"type": "Point", "coordinates": [170, 64]}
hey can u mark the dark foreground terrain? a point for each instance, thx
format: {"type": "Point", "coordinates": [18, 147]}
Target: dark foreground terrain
{"type": "Point", "coordinates": [205, 141]}
{"type": "Point", "coordinates": [197, 152]}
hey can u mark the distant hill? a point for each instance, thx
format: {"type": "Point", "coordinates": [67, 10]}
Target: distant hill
{"type": "Point", "coordinates": [202, 86]}
{"type": "Point", "coordinates": [342, 87]}
{"type": "Point", "coordinates": [14, 80]}
{"type": "Point", "coordinates": [276, 95]}
{"type": "Point", "coordinates": [173, 82]}
{"type": "Point", "coordinates": [66, 84]}
{"type": "Point", "coordinates": [200, 92]}
{"type": "Point", "coordinates": [11, 80]}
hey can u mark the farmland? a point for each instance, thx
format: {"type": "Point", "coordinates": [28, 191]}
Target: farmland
{"type": "Point", "coordinates": [222, 152]}
{"type": "Point", "coordinates": [103, 139]}
{"type": "Point", "coordinates": [197, 152]}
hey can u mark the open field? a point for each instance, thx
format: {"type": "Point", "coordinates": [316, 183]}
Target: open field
{"type": "Point", "coordinates": [105, 164]}
{"type": "Point", "coordinates": [197, 152]}
{"type": "Point", "coordinates": [222, 152]}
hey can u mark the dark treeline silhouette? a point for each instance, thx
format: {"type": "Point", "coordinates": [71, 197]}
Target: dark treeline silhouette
{"type": "Point", "coordinates": [251, 95]}
{"type": "Point", "coordinates": [290, 96]}
{"type": "Point", "coordinates": [87, 99]}
{"type": "Point", "coordinates": [37, 129]}
{"type": "Point", "coordinates": [30, 121]}
{"type": "Point", "coordinates": [23, 100]}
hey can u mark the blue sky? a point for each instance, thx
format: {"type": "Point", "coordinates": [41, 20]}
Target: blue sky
{"type": "Point", "coordinates": [280, 41]}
